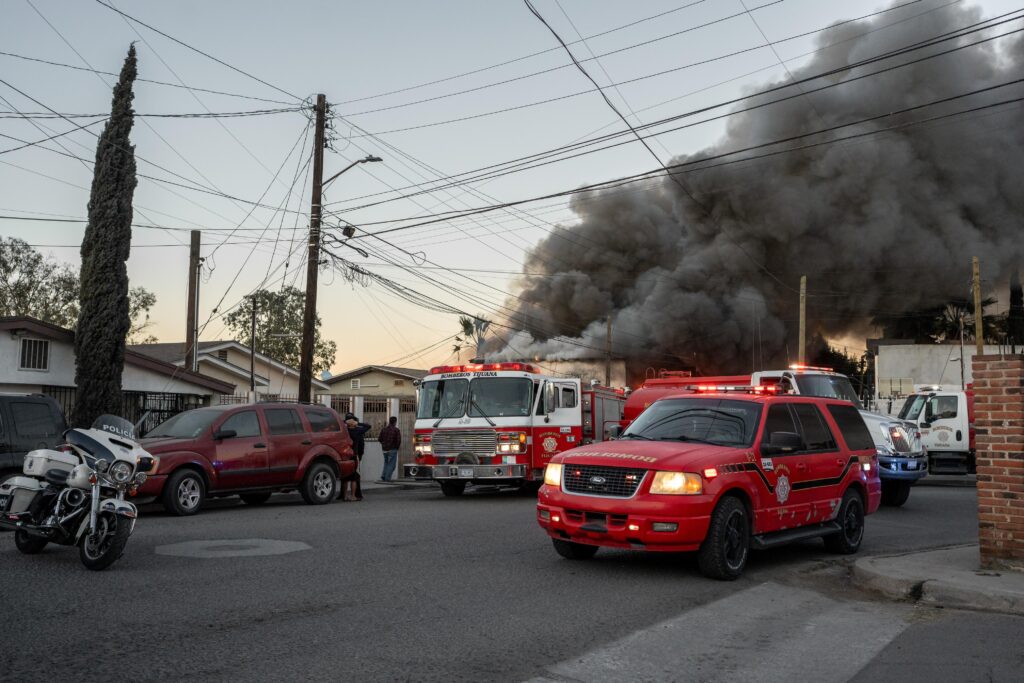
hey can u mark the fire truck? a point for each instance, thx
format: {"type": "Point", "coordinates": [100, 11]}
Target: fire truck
{"type": "Point", "coordinates": [499, 424]}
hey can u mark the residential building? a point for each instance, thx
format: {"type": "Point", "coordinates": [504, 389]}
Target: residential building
{"type": "Point", "coordinates": [37, 357]}
{"type": "Point", "coordinates": [902, 367]}
{"type": "Point", "coordinates": [230, 361]}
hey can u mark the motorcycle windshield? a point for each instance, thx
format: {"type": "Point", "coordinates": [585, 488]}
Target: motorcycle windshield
{"type": "Point", "coordinates": [115, 425]}
{"type": "Point", "coordinates": [91, 445]}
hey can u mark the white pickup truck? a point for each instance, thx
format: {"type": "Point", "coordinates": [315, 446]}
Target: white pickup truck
{"type": "Point", "coordinates": [946, 421]}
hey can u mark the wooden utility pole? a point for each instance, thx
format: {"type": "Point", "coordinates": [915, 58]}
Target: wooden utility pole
{"type": "Point", "coordinates": [802, 354]}
{"type": "Point", "coordinates": [608, 355]}
{"type": "Point", "coordinates": [252, 351]}
{"type": "Point", "coordinates": [192, 331]}
{"type": "Point", "coordinates": [313, 261]}
{"type": "Point", "coordinates": [979, 335]}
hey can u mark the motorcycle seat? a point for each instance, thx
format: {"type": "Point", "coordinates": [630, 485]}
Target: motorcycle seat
{"type": "Point", "coordinates": [56, 477]}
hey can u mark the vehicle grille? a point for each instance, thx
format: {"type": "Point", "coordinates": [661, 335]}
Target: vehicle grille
{"type": "Point", "coordinates": [620, 482]}
{"type": "Point", "coordinates": [479, 442]}
{"type": "Point", "coordinates": [906, 440]}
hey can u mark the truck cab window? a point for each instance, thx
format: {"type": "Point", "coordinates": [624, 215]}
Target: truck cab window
{"type": "Point", "coordinates": [941, 408]}
{"type": "Point", "coordinates": [567, 397]}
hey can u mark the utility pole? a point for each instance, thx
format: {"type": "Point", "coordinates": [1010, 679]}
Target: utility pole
{"type": "Point", "coordinates": [979, 336]}
{"type": "Point", "coordinates": [608, 355]}
{"type": "Point", "coordinates": [252, 351]}
{"type": "Point", "coordinates": [802, 355]}
{"type": "Point", "coordinates": [313, 261]}
{"type": "Point", "coordinates": [191, 319]}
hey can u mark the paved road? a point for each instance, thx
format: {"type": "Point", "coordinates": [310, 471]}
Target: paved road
{"type": "Point", "coordinates": [408, 585]}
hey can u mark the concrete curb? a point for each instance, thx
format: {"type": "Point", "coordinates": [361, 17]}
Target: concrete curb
{"type": "Point", "coordinates": [941, 578]}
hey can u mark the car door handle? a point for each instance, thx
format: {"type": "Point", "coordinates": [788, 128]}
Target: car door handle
{"type": "Point", "coordinates": [840, 461]}
{"type": "Point", "coordinates": [306, 442]}
{"type": "Point", "coordinates": [259, 445]}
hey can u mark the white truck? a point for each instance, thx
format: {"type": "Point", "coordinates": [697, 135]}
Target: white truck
{"type": "Point", "coordinates": [946, 421]}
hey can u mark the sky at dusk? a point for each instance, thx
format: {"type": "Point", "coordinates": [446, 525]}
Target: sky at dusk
{"type": "Point", "coordinates": [395, 74]}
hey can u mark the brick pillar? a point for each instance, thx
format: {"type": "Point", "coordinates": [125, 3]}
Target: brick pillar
{"type": "Point", "coordinates": [999, 423]}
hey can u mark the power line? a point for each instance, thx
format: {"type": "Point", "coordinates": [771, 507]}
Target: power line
{"type": "Point", "coordinates": [184, 115]}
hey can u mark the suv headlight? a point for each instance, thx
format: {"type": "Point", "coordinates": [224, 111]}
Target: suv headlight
{"type": "Point", "coordinates": [677, 484]}
{"type": "Point", "coordinates": [553, 474]}
{"type": "Point", "coordinates": [120, 472]}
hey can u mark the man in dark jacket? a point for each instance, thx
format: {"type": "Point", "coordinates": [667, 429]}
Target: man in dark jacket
{"type": "Point", "coordinates": [356, 430]}
{"type": "Point", "coordinates": [390, 441]}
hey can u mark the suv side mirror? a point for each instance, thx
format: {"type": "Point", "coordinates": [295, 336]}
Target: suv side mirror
{"type": "Point", "coordinates": [550, 398]}
{"type": "Point", "coordinates": [783, 442]}
{"type": "Point", "coordinates": [222, 434]}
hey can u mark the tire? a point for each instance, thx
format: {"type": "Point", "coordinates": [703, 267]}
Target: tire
{"type": "Point", "coordinates": [255, 498]}
{"type": "Point", "coordinates": [574, 551]}
{"type": "Point", "coordinates": [4, 476]}
{"type": "Point", "coordinates": [320, 485]}
{"type": "Point", "coordinates": [100, 556]}
{"type": "Point", "coordinates": [723, 555]}
{"type": "Point", "coordinates": [29, 545]}
{"type": "Point", "coordinates": [895, 493]}
{"type": "Point", "coordinates": [184, 493]}
{"type": "Point", "coordinates": [851, 519]}
{"type": "Point", "coordinates": [453, 489]}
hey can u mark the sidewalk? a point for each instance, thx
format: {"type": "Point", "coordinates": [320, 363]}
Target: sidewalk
{"type": "Point", "coordinates": [949, 577]}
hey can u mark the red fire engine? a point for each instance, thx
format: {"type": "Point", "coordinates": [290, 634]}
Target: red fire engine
{"type": "Point", "coordinates": [500, 423]}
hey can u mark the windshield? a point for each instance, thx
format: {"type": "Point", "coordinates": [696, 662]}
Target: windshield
{"type": "Point", "coordinates": [717, 421]}
{"type": "Point", "coordinates": [911, 409]}
{"type": "Point", "coordinates": [443, 398]}
{"type": "Point", "coordinates": [827, 386]}
{"type": "Point", "coordinates": [115, 425]}
{"type": "Point", "coordinates": [501, 397]}
{"type": "Point", "coordinates": [187, 425]}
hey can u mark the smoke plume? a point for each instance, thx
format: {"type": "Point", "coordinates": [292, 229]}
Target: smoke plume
{"type": "Point", "coordinates": [882, 224]}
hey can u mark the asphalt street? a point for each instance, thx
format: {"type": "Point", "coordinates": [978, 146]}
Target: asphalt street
{"type": "Point", "coordinates": [409, 585]}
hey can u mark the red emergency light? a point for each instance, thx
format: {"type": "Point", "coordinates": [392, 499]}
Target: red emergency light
{"type": "Point", "coordinates": [483, 367]}
{"type": "Point", "coordinates": [717, 389]}
{"type": "Point", "coordinates": [798, 366]}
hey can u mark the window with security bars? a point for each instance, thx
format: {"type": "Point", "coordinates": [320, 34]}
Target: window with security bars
{"type": "Point", "coordinates": [375, 406]}
{"type": "Point", "coordinates": [35, 354]}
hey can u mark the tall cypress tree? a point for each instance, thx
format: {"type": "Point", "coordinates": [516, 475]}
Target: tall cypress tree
{"type": "Point", "coordinates": [103, 320]}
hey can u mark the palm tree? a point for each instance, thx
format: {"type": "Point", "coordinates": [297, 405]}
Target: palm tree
{"type": "Point", "coordinates": [474, 333]}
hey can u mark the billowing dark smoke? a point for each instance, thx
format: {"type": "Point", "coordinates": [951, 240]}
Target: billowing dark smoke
{"type": "Point", "coordinates": [880, 225]}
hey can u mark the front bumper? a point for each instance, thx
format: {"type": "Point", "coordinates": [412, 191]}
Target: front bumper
{"type": "Point", "coordinates": [901, 468]}
{"type": "Point", "coordinates": [466, 472]}
{"type": "Point", "coordinates": [625, 522]}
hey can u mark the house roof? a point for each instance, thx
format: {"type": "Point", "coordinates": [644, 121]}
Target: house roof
{"type": "Point", "coordinates": [174, 352]}
{"type": "Point", "coordinates": [408, 373]}
{"type": "Point", "coordinates": [131, 355]}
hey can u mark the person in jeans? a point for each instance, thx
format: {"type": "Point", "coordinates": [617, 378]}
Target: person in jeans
{"type": "Point", "coordinates": [356, 430]}
{"type": "Point", "coordinates": [390, 441]}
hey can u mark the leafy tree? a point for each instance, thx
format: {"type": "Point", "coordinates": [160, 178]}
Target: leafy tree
{"type": "Point", "coordinates": [279, 327]}
{"type": "Point", "coordinates": [41, 287]}
{"type": "Point", "coordinates": [104, 320]}
{"type": "Point", "coordinates": [942, 323]}
{"type": "Point", "coordinates": [474, 334]}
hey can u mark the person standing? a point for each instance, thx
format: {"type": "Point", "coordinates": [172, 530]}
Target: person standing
{"type": "Point", "coordinates": [356, 431]}
{"type": "Point", "coordinates": [390, 441]}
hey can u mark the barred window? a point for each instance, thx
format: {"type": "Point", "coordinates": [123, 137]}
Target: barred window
{"type": "Point", "coordinates": [375, 406]}
{"type": "Point", "coordinates": [35, 354]}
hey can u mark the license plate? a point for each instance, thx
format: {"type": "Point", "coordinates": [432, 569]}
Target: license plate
{"type": "Point", "coordinates": [912, 465]}
{"type": "Point", "coordinates": [466, 472]}
{"type": "Point", "coordinates": [5, 503]}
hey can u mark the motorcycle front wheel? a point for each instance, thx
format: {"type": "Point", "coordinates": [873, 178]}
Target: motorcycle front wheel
{"type": "Point", "coordinates": [101, 549]}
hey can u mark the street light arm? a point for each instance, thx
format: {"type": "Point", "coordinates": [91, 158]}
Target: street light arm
{"type": "Point", "coordinates": [367, 159]}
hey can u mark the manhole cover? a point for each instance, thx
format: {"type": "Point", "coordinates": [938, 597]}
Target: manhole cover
{"type": "Point", "coordinates": [239, 547]}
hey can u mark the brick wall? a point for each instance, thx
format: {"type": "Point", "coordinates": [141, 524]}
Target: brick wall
{"type": "Point", "coordinates": [999, 422]}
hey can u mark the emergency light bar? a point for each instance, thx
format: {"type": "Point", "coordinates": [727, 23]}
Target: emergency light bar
{"type": "Point", "coordinates": [482, 367]}
{"type": "Point", "coordinates": [716, 389]}
{"type": "Point", "coordinates": [798, 366]}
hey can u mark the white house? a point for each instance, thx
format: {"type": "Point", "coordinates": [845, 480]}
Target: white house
{"type": "Point", "coordinates": [37, 357]}
{"type": "Point", "coordinates": [231, 362]}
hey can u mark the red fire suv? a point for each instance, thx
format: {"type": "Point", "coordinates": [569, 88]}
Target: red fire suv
{"type": "Point", "coordinates": [718, 470]}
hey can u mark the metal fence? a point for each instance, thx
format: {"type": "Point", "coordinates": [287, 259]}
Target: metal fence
{"type": "Point", "coordinates": [151, 408]}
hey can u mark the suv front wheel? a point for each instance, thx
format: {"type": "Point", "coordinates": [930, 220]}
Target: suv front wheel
{"type": "Point", "coordinates": [184, 493]}
{"type": "Point", "coordinates": [723, 555]}
{"type": "Point", "coordinates": [319, 486]}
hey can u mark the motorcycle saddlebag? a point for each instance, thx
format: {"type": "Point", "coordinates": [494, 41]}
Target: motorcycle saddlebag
{"type": "Point", "coordinates": [39, 462]}
{"type": "Point", "coordinates": [17, 493]}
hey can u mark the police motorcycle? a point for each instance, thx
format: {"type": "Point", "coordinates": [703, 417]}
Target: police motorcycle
{"type": "Point", "coordinates": [75, 495]}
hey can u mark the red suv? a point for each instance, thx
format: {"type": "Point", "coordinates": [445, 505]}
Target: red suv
{"type": "Point", "coordinates": [250, 451]}
{"type": "Point", "coordinates": [717, 472]}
